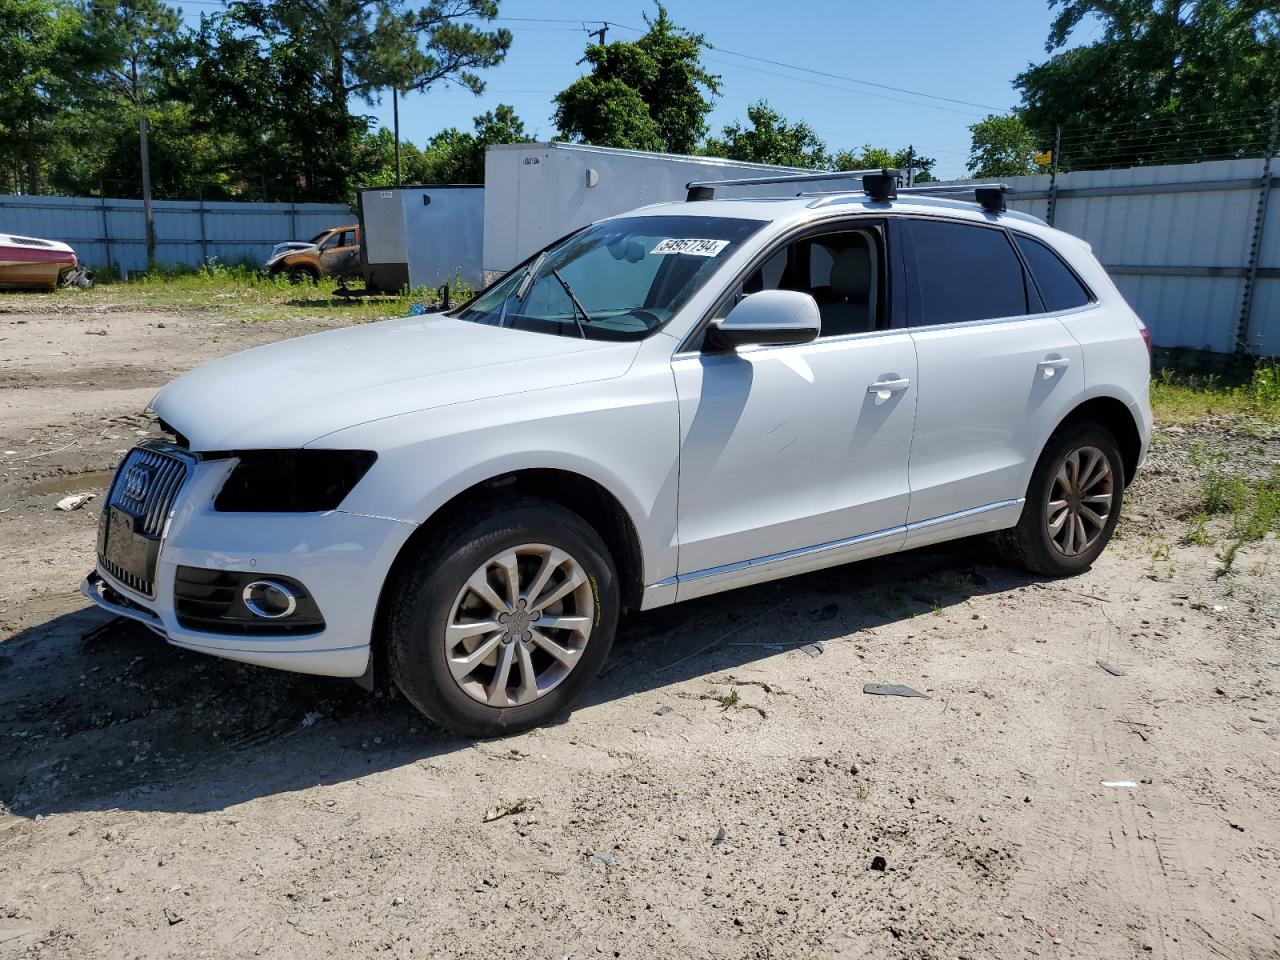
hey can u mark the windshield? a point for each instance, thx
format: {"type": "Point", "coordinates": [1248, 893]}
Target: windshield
{"type": "Point", "coordinates": [618, 279]}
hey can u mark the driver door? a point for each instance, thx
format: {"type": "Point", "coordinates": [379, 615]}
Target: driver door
{"type": "Point", "coordinates": [795, 457]}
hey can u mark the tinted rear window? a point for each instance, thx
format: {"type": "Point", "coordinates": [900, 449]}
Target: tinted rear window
{"type": "Point", "coordinates": [966, 273]}
{"type": "Point", "coordinates": [1058, 286]}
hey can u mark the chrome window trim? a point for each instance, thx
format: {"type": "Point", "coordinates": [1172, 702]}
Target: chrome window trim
{"type": "Point", "coordinates": [818, 342]}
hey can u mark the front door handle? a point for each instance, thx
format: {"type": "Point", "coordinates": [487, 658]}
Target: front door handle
{"type": "Point", "coordinates": [1051, 367]}
{"type": "Point", "coordinates": [884, 388]}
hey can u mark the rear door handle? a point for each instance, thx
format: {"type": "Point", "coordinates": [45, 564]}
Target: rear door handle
{"type": "Point", "coordinates": [1050, 367]}
{"type": "Point", "coordinates": [884, 388]}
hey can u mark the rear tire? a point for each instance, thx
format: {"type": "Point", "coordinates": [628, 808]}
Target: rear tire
{"type": "Point", "coordinates": [1073, 503]}
{"type": "Point", "coordinates": [481, 655]}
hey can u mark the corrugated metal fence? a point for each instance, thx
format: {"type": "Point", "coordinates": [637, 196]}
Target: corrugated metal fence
{"type": "Point", "coordinates": [109, 235]}
{"type": "Point", "coordinates": [1194, 248]}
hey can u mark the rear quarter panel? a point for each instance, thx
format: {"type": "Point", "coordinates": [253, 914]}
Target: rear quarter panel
{"type": "Point", "coordinates": [1117, 362]}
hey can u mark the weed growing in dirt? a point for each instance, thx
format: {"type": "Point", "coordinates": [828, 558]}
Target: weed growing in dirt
{"type": "Point", "coordinates": [1183, 397]}
{"type": "Point", "coordinates": [1251, 506]}
{"type": "Point", "coordinates": [730, 699]}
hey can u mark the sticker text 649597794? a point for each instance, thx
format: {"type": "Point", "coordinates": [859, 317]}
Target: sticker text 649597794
{"type": "Point", "coordinates": [696, 248]}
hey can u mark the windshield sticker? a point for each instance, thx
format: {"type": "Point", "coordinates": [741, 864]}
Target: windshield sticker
{"type": "Point", "coordinates": [694, 248]}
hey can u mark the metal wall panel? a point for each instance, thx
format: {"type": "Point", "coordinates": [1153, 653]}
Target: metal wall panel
{"type": "Point", "coordinates": [443, 238]}
{"type": "Point", "coordinates": [109, 235]}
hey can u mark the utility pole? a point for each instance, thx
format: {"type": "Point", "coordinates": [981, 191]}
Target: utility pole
{"type": "Point", "coordinates": [911, 170]}
{"type": "Point", "coordinates": [395, 122]}
{"type": "Point", "coordinates": [1053, 176]}
{"type": "Point", "coordinates": [599, 35]}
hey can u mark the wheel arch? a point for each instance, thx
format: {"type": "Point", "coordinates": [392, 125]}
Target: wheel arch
{"type": "Point", "coordinates": [586, 497]}
{"type": "Point", "coordinates": [1118, 419]}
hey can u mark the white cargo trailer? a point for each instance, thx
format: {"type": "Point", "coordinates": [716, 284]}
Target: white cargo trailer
{"type": "Point", "coordinates": [538, 192]}
{"type": "Point", "coordinates": [421, 236]}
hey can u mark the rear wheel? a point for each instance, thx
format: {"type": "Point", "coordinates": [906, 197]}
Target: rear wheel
{"type": "Point", "coordinates": [1073, 503]}
{"type": "Point", "coordinates": [503, 623]}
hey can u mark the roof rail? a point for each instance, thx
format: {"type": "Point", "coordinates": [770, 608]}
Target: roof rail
{"type": "Point", "coordinates": [706, 189]}
{"type": "Point", "coordinates": [992, 197]}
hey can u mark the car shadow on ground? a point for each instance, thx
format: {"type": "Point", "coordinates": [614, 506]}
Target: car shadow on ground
{"type": "Point", "coordinates": [99, 714]}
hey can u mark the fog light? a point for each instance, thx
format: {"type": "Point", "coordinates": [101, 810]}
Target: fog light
{"type": "Point", "coordinates": [269, 600]}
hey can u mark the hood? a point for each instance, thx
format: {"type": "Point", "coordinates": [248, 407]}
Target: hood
{"type": "Point", "coordinates": [288, 394]}
{"type": "Point", "coordinates": [292, 246]}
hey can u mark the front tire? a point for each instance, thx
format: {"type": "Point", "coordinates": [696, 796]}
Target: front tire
{"type": "Point", "coordinates": [1073, 503]}
{"type": "Point", "coordinates": [503, 621]}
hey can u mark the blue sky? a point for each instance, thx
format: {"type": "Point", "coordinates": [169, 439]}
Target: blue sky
{"type": "Point", "coordinates": [966, 51]}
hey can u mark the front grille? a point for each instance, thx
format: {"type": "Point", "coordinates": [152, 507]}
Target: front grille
{"type": "Point", "coordinates": [143, 586]}
{"type": "Point", "coordinates": [144, 488]}
{"type": "Point", "coordinates": [152, 505]}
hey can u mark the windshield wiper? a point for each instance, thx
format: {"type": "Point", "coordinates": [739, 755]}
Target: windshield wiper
{"type": "Point", "coordinates": [529, 275]}
{"type": "Point", "coordinates": [577, 304]}
{"type": "Point", "coordinates": [526, 281]}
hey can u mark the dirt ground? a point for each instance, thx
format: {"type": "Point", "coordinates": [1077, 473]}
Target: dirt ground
{"type": "Point", "coordinates": [157, 803]}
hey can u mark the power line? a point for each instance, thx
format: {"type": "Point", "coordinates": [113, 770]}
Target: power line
{"type": "Point", "coordinates": [866, 83]}
{"type": "Point", "coordinates": [775, 63]}
{"type": "Point", "coordinates": [832, 86]}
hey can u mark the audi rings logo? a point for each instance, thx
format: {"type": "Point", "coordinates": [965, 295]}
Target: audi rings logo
{"type": "Point", "coordinates": [137, 481]}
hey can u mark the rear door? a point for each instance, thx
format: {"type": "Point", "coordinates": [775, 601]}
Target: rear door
{"type": "Point", "coordinates": [996, 374]}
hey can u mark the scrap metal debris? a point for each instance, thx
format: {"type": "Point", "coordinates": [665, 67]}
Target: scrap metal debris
{"type": "Point", "coordinates": [892, 690]}
{"type": "Point", "coordinates": [1111, 668]}
{"type": "Point", "coordinates": [74, 502]}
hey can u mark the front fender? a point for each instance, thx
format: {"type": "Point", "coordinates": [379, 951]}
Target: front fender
{"type": "Point", "coordinates": [623, 434]}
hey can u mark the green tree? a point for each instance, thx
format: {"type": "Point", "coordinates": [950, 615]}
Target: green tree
{"type": "Point", "coordinates": [452, 156]}
{"type": "Point", "coordinates": [1001, 146]}
{"type": "Point", "coordinates": [365, 47]}
{"type": "Point", "coordinates": [1167, 80]}
{"type": "Point", "coordinates": [133, 38]}
{"type": "Point", "coordinates": [770, 139]}
{"type": "Point", "coordinates": [650, 94]}
{"type": "Point", "coordinates": [39, 42]}
{"type": "Point", "coordinates": [274, 79]}
{"type": "Point", "coordinates": [871, 158]}
{"type": "Point", "coordinates": [263, 97]}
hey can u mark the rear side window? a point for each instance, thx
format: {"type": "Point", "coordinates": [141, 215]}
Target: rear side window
{"type": "Point", "coordinates": [1058, 286]}
{"type": "Point", "coordinates": [965, 273]}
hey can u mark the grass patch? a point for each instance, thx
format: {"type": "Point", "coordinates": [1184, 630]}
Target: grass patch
{"type": "Point", "coordinates": [246, 294]}
{"type": "Point", "coordinates": [1252, 508]}
{"type": "Point", "coordinates": [1182, 397]}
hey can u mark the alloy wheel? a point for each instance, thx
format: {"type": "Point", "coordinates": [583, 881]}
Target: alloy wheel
{"type": "Point", "coordinates": [519, 625]}
{"type": "Point", "coordinates": [1081, 499]}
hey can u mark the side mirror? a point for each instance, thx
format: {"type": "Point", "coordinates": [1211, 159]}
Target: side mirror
{"type": "Point", "coordinates": [767, 317]}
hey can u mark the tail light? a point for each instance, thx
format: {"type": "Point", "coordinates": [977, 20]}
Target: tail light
{"type": "Point", "coordinates": [1146, 338]}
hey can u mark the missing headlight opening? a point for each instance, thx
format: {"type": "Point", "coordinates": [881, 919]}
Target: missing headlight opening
{"type": "Point", "coordinates": [292, 481]}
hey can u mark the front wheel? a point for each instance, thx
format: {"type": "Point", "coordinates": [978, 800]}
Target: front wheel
{"type": "Point", "coordinates": [1073, 503]}
{"type": "Point", "coordinates": [504, 622]}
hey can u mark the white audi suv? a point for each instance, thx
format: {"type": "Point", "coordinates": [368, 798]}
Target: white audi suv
{"type": "Point", "coordinates": [685, 399]}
